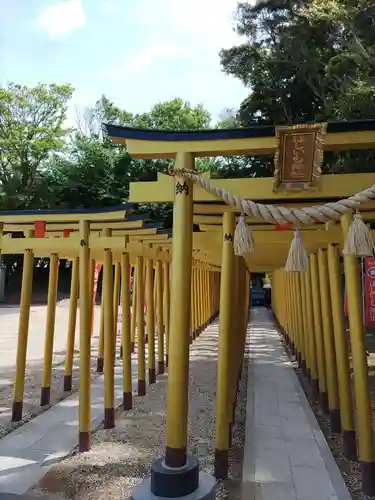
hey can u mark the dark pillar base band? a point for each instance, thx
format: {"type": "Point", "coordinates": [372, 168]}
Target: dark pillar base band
{"type": "Point", "coordinates": [166, 360]}
{"type": "Point", "coordinates": [151, 376]}
{"type": "Point", "coordinates": [127, 401]}
{"type": "Point", "coordinates": [190, 339]}
{"type": "Point", "coordinates": [146, 339]}
{"type": "Point", "coordinates": [335, 421]}
{"type": "Point", "coordinates": [141, 387]}
{"type": "Point", "coordinates": [132, 347]}
{"type": "Point", "coordinates": [309, 375]}
{"type": "Point", "coordinates": [230, 426]}
{"type": "Point", "coordinates": [100, 365]}
{"type": "Point", "coordinates": [84, 441]}
{"type": "Point", "coordinates": [121, 352]}
{"type": "Point", "coordinates": [67, 383]}
{"type": "Point", "coordinates": [368, 478]}
{"type": "Point", "coordinates": [314, 389]}
{"type": "Point", "coordinates": [323, 402]}
{"type": "Point", "coordinates": [109, 418]}
{"type": "Point", "coordinates": [45, 396]}
{"type": "Point", "coordinates": [17, 409]}
{"type": "Point", "coordinates": [221, 464]}
{"type": "Point", "coordinates": [175, 457]}
{"type": "Point", "coordinates": [160, 367]}
{"type": "Point", "coordinates": [169, 483]}
{"type": "Point", "coordinates": [350, 445]}
{"type": "Point", "coordinates": [303, 367]}
{"type": "Point", "coordinates": [299, 359]}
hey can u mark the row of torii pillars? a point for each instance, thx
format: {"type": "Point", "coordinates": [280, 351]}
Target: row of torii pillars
{"type": "Point", "coordinates": [309, 308]}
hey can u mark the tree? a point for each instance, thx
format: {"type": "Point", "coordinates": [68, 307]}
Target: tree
{"type": "Point", "coordinates": [176, 114]}
{"type": "Point", "coordinates": [98, 172]}
{"type": "Point", "coordinates": [31, 130]}
{"type": "Point", "coordinates": [301, 61]}
{"type": "Point", "coordinates": [356, 20]}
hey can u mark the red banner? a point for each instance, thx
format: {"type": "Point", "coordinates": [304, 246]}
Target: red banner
{"type": "Point", "coordinates": [98, 268]}
{"type": "Point", "coordinates": [369, 289]}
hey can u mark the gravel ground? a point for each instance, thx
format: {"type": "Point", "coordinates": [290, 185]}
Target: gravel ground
{"type": "Point", "coordinates": [34, 368]}
{"type": "Point", "coordinates": [122, 457]}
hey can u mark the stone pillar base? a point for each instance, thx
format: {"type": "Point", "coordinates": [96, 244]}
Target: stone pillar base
{"type": "Point", "coordinates": [183, 482]}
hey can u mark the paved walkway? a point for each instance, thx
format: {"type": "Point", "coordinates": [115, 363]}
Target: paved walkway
{"type": "Point", "coordinates": [286, 454]}
{"type": "Point", "coordinates": [27, 453]}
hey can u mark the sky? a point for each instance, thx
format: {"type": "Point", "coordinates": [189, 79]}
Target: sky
{"type": "Point", "coordinates": [136, 52]}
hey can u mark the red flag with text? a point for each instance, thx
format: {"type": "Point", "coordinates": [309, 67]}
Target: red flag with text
{"type": "Point", "coordinates": [369, 291]}
{"type": "Point", "coordinates": [98, 268]}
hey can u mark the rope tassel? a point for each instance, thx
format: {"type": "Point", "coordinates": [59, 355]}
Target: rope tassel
{"type": "Point", "coordinates": [243, 239]}
{"type": "Point", "coordinates": [359, 240]}
{"type": "Point", "coordinates": [298, 259]}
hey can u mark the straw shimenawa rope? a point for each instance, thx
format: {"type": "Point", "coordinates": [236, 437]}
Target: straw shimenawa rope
{"type": "Point", "coordinates": [283, 215]}
{"type": "Point", "coordinates": [359, 241]}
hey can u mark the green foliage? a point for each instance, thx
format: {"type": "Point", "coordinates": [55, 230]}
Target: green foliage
{"type": "Point", "coordinates": [98, 172]}
{"type": "Point", "coordinates": [31, 129]}
{"type": "Point", "coordinates": [302, 60]}
{"type": "Point", "coordinates": [306, 60]}
{"type": "Point", "coordinates": [173, 115]}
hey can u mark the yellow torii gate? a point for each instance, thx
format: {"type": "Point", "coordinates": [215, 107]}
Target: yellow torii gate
{"type": "Point", "coordinates": [107, 236]}
{"type": "Point", "coordinates": [177, 474]}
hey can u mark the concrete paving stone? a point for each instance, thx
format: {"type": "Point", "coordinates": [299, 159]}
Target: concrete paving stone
{"type": "Point", "coordinates": [296, 428]}
{"type": "Point", "coordinates": [304, 452]}
{"type": "Point", "coordinates": [265, 400]}
{"type": "Point", "coordinates": [291, 409]}
{"type": "Point", "coordinates": [19, 481]}
{"type": "Point", "coordinates": [64, 440]}
{"type": "Point", "coordinates": [23, 439]}
{"type": "Point", "coordinates": [298, 419]}
{"type": "Point", "coordinates": [312, 483]}
{"type": "Point", "coordinates": [260, 432]}
{"type": "Point", "coordinates": [277, 446]}
{"type": "Point", "coordinates": [270, 467]}
{"type": "Point", "coordinates": [275, 491]}
{"type": "Point", "coordinates": [284, 382]}
{"type": "Point", "coordinates": [289, 396]}
{"type": "Point", "coordinates": [270, 419]}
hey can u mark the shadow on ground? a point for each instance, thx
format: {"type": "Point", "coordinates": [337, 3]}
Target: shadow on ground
{"type": "Point", "coordinates": [122, 457]}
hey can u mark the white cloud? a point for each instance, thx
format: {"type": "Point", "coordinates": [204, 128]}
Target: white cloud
{"type": "Point", "coordinates": [143, 59]}
{"type": "Point", "coordinates": [62, 18]}
{"type": "Point", "coordinates": [170, 48]}
{"type": "Point", "coordinates": [192, 30]}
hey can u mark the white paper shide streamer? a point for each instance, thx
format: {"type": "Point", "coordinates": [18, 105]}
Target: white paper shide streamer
{"type": "Point", "coordinates": [298, 259]}
{"type": "Point", "coordinates": [243, 242]}
{"type": "Point", "coordinates": [359, 241]}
